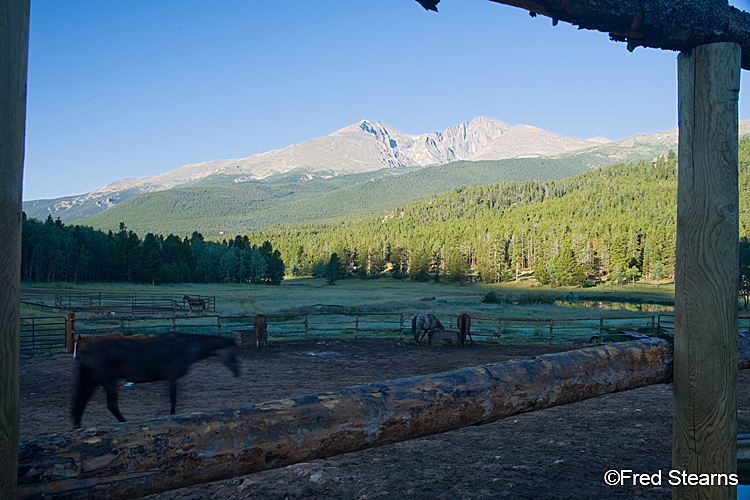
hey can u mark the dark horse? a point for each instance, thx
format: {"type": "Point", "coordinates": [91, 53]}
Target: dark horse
{"type": "Point", "coordinates": [260, 325]}
{"type": "Point", "coordinates": [427, 322]}
{"type": "Point", "coordinates": [166, 357]}
{"type": "Point", "coordinates": [464, 328]}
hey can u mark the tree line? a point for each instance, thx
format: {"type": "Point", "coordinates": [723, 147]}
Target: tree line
{"type": "Point", "coordinates": [53, 251]}
{"type": "Point", "coordinates": [616, 223]}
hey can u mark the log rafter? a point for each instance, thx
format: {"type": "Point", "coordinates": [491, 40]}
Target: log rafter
{"type": "Point", "coordinates": [672, 24]}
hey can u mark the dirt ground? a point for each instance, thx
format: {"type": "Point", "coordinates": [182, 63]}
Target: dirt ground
{"type": "Point", "coordinates": [561, 452]}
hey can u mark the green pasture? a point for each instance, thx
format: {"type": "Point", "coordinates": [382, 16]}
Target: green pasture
{"type": "Point", "coordinates": [356, 308]}
{"type": "Point", "coordinates": [390, 295]}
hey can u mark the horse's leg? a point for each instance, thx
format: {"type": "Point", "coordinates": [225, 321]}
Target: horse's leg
{"type": "Point", "coordinates": [86, 387]}
{"type": "Point", "coordinates": [110, 386]}
{"type": "Point", "coordinates": [424, 332]}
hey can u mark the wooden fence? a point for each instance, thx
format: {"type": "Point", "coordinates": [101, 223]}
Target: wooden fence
{"type": "Point", "coordinates": [132, 303]}
{"type": "Point", "coordinates": [50, 333]}
{"type": "Point", "coordinates": [56, 333]}
{"type": "Point", "coordinates": [43, 333]}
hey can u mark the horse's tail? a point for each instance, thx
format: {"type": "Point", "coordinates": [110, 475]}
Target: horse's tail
{"type": "Point", "coordinates": [414, 328]}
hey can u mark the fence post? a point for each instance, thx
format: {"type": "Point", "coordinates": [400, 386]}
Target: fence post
{"type": "Point", "coordinates": [218, 325]}
{"type": "Point", "coordinates": [550, 332]}
{"type": "Point", "coordinates": [306, 322]}
{"type": "Point", "coordinates": [499, 329]}
{"type": "Point", "coordinates": [69, 330]}
{"type": "Point", "coordinates": [601, 329]}
{"type": "Point", "coordinates": [401, 328]}
{"type": "Point", "coordinates": [174, 324]}
{"type": "Point", "coordinates": [122, 326]}
{"type": "Point", "coordinates": [356, 326]}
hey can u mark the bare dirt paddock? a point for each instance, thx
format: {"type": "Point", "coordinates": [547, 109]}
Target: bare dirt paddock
{"type": "Point", "coordinates": [561, 452]}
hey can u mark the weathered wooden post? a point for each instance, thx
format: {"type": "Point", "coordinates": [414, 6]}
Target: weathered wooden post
{"type": "Point", "coordinates": [550, 332]}
{"type": "Point", "coordinates": [705, 356]}
{"type": "Point", "coordinates": [14, 45]}
{"type": "Point", "coordinates": [70, 325]}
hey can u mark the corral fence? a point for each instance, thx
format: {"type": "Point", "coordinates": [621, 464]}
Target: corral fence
{"type": "Point", "coordinates": [51, 333]}
{"type": "Point", "coordinates": [57, 333]}
{"type": "Point", "coordinates": [43, 333]}
{"type": "Point", "coordinates": [134, 303]}
{"type": "Point", "coordinates": [665, 322]}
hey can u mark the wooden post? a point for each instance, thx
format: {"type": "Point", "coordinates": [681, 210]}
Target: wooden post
{"type": "Point", "coordinates": [70, 326]}
{"type": "Point", "coordinates": [550, 332]}
{"type": "Point", "coordinates": [306, 323]}
{"type": "Point", "coordinates": [14, 45]}
{"type": "Point", "coordinates": [218, 325]}
{"type": "Point", "coordinates": [356, 325]}
{"type": "Point", "coordinates": [401, 328]}
{"type": "Point", "coordinates": [707, 259]}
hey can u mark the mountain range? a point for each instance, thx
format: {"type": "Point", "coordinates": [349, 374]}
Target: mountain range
{"type": "Point", "coordinates": [358, 169]}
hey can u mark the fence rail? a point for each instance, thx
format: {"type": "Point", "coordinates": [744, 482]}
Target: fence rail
{"type": "Point", "coordinates": [58, 334]}
{"type": "Point", "coordinates": [55, 333]}
{"type": "Point", "coordinates": [134, 303]}
{"type": "Point", "coordinates": [45, 333]}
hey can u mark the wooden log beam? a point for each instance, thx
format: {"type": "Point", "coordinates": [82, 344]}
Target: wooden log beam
{"type": "Point", "coordinates": [134, 459]}
{"type": "Point", "coordinates": [14, 42]}
{"type": "Point", "coordinates": [671, 24]}
{"type": "Point", "coordinates": [707, 259]}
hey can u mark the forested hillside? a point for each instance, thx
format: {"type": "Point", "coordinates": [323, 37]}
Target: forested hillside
{"type": "Point", "coordinates": [246, 206]}
{"type": "Point", "coordinates": [588, 224]}
{"type": "Point", "coordinates": [616, 222]}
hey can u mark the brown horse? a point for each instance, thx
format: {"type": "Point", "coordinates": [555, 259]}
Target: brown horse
{"type": "Point", "coordinates": [166, 357]}
{"type": "Point", "coordinates": [194, 303]}
{"type": "Point", "coordinates": [463, 322]}
{"type": "Point", "coordinates": [260, 325]}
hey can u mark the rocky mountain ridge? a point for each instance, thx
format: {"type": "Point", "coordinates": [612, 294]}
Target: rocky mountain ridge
{"type": "Point", "coordinates": [362, 147]}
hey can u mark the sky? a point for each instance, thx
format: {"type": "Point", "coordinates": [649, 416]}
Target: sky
{"type": "Point", "coordinates": [136, 88]}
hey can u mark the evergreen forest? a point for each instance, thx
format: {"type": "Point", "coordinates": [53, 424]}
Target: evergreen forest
{"type": "Point", "coordinates": [52, 251]}
{"type": "Point", "coordinates": [615, 223]}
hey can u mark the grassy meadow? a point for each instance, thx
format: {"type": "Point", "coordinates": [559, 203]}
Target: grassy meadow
{"type": "Point", "coordinates": [354, 300]}
{"type": "Point", "coordinates": [523, 299]}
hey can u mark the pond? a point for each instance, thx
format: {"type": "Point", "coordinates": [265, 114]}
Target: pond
{"type": "Point", "coordinates": [609, 305]}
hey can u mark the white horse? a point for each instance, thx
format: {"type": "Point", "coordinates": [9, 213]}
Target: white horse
{"type": "Point", "coordinates": [427, 322]}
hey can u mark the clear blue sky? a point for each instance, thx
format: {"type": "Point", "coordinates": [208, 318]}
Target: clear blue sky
{"type": "Point", "coordinates": [135, 88]}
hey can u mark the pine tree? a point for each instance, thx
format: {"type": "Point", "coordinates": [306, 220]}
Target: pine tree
{"type": "Point", "coordinates": [333, 270]}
